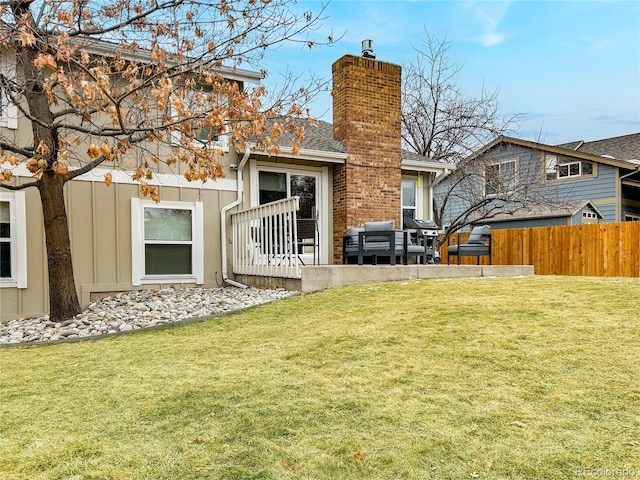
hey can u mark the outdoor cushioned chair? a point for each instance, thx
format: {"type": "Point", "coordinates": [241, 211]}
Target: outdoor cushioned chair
{"type": "Point", "coordinates": [376, 242]}
{"type": "Point", "coordinates": [375, 239]}
{"type": "Point", "coordinates": [478, 244]}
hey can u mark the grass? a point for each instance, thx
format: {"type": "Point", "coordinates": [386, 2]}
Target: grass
{"type": "Point", "coordinates": [522, 378]}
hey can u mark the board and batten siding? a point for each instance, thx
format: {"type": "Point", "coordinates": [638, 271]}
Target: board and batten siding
{"type": "Point", "coordinates": [100, 228]}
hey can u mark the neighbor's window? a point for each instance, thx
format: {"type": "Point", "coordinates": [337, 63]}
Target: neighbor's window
{"type": "Point", "coordinates": [561, 167]}
{"type": "Point", "coordinates": [500, 177]}
{"type": "Point", "coordinates": [169, 242]}
{"type": "Point", "coordinates": [13, 245]}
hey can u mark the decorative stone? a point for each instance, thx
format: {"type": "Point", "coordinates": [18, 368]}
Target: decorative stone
{"type": "Point", "coordinates": [128, 311]}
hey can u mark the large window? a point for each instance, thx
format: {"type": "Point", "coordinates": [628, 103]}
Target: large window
{"type": "Point", "coordinates": [279, 185]}
{"type": "Point", "coordinates": [501, 177]}
{"type": "Point", "coordinates": [561, 167]}
{"type": "Point", "coordinates": [13, 244]}
{"type": "Point", "coordinates": [271, 182]}
{"type": "Point", "coordinates": [167, 242]}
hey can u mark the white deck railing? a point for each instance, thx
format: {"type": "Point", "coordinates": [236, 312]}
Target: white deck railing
{"type": "Point", "coordinates": [264, 240]}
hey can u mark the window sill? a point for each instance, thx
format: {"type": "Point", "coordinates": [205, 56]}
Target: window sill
{"type": "Point", "coordinates": [165, 279]}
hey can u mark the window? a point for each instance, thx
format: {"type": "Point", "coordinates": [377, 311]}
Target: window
{"type": "Point", "coordinates": [500, 177]}
{"type": "Point", "coordinates": [271, 182]}
{"type": "Point", "coordinates": [8, 110]}
{"type": "Point", "coordinates": [589, 217]}
{"type": "Point", "coordinates": [278, 185]}
{"type": "Point", "coordinates": [561, 167]}
{"type": "Point", "coordinates": [409, 203]}
{"type": "Point", "coordinates": [167, 243]}
{"type": "Point", "coordinates": [632, 217]}
{"type": "Point", "coordinates": [205, 137]}
{"type": "Point", "coordinates": [13, 242]}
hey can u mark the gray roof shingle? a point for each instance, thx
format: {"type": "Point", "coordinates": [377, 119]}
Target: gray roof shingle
{"type": "Point", "coordinates": [316, 137]}
{"type": "Point", "coordinates": [625, 147]}
{"type": "Point", "coordinates": [320, 137]}
{"type": "Point", "coordinates": [558, 209]}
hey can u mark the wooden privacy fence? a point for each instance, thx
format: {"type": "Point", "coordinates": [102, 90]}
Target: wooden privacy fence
{"type": "Point", "coordinates": [602, 250]}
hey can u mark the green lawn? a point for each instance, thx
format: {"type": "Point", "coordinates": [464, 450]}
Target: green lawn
{"type": "Point", "coordinates": [490, 378]}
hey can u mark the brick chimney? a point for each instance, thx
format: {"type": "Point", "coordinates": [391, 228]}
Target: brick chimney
{"type": "Point", "coordinates": [366, 118]}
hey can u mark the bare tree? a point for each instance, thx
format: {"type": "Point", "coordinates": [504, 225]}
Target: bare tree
{"type": "Point", "coordinates": [139, 85]}
{"type": "Point", "coordinates": [482, 187]}
{"type": "Point", "coordinates": [439, 120]}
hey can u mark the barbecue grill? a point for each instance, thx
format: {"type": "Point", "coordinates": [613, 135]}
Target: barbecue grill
{"type": "Point", "coordinates": [424, 232]}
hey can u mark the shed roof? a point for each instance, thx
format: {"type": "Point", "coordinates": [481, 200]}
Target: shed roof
{"type": "Point", "coordinates": [554, 210]}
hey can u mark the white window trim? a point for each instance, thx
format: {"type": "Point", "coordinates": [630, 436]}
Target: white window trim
{"type": "Point", "coordinates": [631, 217]}
{"type": "Point", "coordinates": [18, 229]}
{"type": "Point", "coordinates": [138, 276]}
{"type": "Point", "coordinates": [553, 164]}
{"type": "Point", "coordinates": [516, 169]}
{"type": "Point", "coordinates": [8, 110]}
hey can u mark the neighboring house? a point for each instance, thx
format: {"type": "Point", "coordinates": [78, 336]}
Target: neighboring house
{"type": "Point", "coordinates": [580, 182]}
{"type": "Point", "coordinates": [344, 174]}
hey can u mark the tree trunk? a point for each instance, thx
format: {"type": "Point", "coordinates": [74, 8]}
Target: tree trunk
{"type": "Point", "coordinates": [63, 297]}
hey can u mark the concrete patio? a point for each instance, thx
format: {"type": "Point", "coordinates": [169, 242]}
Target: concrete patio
{"type": "Point", "coordinates": [315, 278]}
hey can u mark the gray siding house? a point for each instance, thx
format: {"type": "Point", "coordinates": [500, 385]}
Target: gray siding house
{"type": "Point", "coordinates": [530, 184]}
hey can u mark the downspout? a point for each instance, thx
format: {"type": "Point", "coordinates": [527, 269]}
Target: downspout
{"type": "Point", "coordinates": [223, 220]}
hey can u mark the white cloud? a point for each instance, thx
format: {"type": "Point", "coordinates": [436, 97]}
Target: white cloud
{"type": "Point", "coordinates": [489, 16]}
{"type": "Point", "coordinates": [491, 39]}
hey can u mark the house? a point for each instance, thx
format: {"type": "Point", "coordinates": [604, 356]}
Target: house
{"type": "Point", "coordinates": [344, 174]}
{"type": "Point", "coordinates": [579, 182]}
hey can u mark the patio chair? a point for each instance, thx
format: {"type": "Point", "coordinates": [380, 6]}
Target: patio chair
{"type": "Point", "coordinates": [307, 230]}
{"type": "Point", "coordinates": [375, 239]}
{"type": "Point", "coordinates": [478, 244]}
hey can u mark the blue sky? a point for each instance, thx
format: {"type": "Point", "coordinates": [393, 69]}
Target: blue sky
{"type": "Point", "coordinates": [572, 68]}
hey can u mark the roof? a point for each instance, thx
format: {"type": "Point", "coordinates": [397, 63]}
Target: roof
{"type": "Point", "coordinates": [107, 48]}
{"type": "Point", "coordinates": [569, 149]}
{"type": "Point", "coordinates": [625, 147]}
{"type": "Point", "coordinates": [318, 139]}
{"type": "Point", "coordinates": [554, 210]}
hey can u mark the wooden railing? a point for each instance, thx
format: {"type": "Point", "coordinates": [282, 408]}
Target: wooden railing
{"type": "Point", "coordinates": [603, 250]}
{"type": "Point", "coordinates": [264, 240]}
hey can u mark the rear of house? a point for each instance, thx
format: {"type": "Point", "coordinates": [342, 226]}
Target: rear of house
{"type": "Point", "coordinates": [344, 174]}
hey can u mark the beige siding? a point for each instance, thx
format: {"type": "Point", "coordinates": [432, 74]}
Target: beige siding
{"type": "Point", "coordinates": [100, 227]}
